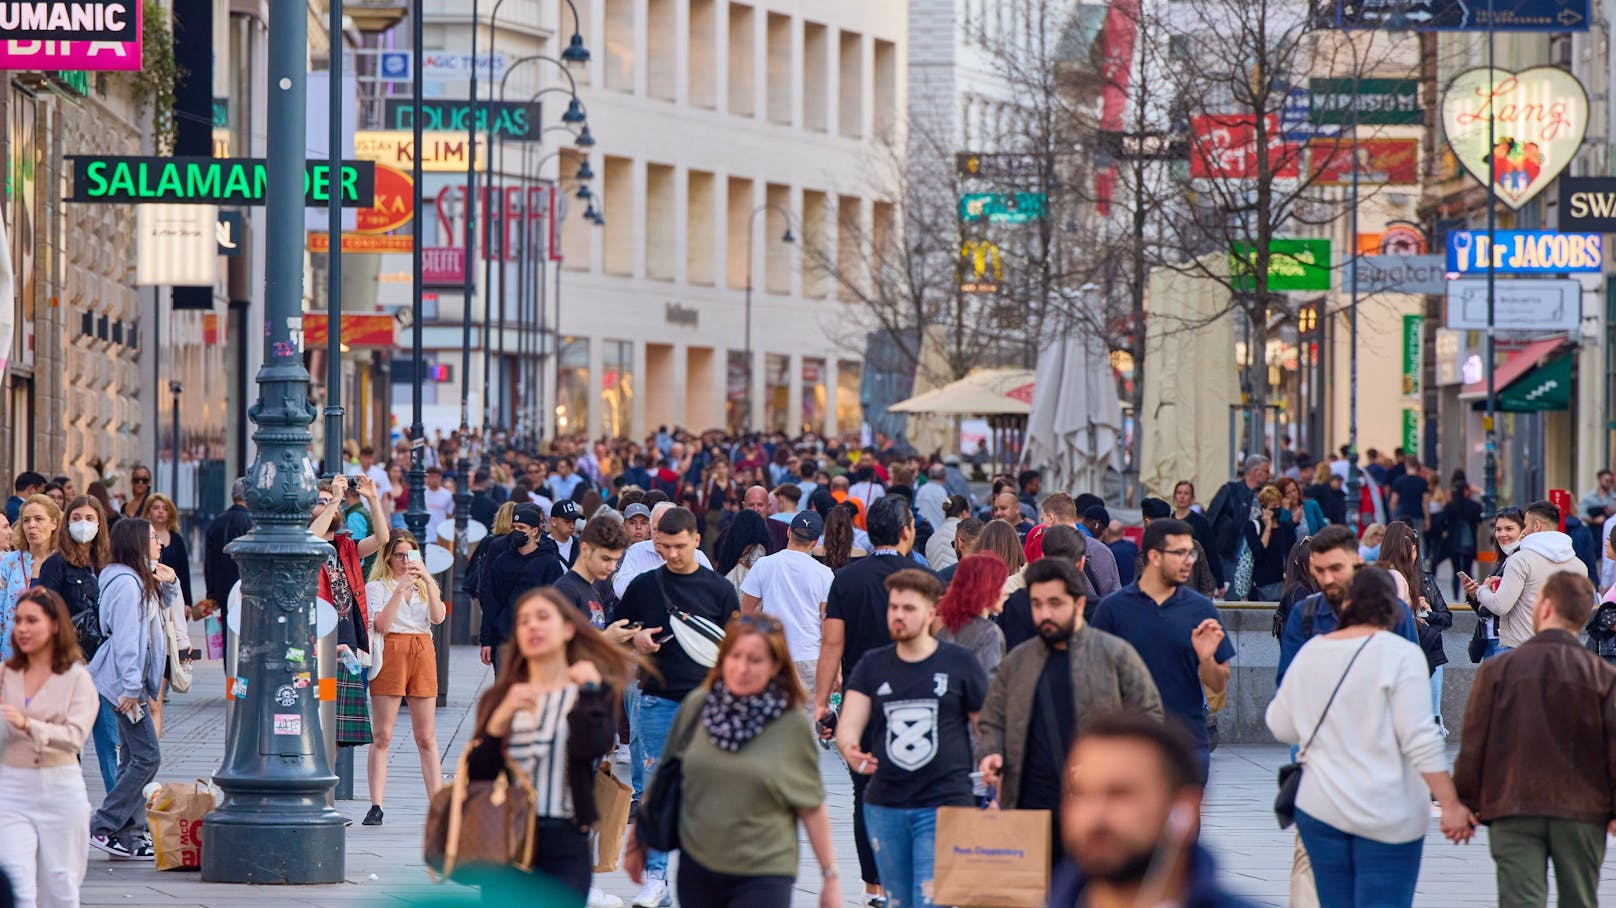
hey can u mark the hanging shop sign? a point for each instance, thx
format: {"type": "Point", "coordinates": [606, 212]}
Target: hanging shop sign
{"type": "Point", "coordinates": [1539, 306]}
{"type": "Point", "coordinates": [1398, 274]}
{"type": "Point", "coordinates": [1002, 207]}
{"type": "Point", "coordinates": [1525, 252]}
{"type": "Point", "coordinates": [228, 233]}
{"type": "Point", "coordinates": [1545, 388]}
{"type": "Point", "coordinates": [1588, 204]}
{"type": "Point", "coordinates": [82, 56]}
{"type": "Point", "coordinates": [443, 150]}
{"type": "Point", "coordinates": [1538, 117]}
{"type": "Point", "coordinates": [1411, 429]}
{"type": "Point", "coordinates": [1390, 162]}
{"type": "Point", "coordinates": [980, 267]}
{"type": "Point", "coordinates": [514, 121]}
{"type": "Point", "coordinates": [207, 181]}
{"type": "Point", "coordinates": [1413, 333]}
{"type": "Point", "coordinates": [359, 329]}
{"type": "Point", "coordinates": [395, 202]}
{"type": "Point", "coordinates": [1466, 15]}
{"type": "Point", "coordinates": [997, 166]}
{"type": "Point", "coordinates": [1224, 147]}
{"type": "Point", "coordinates": [361, 243]}
{"type": "Point", "coordinates": [452, 67]}
{"type": "Point", "coordinates": [70, 20]}
{"type": "Point", "coordinates": [1399, 238]}
{"type": "Point", "coordinates": [1292, 265]}
{"type": "Point", "coordinates": [1367, 102]}
{"type": "Point", "coordinates": [176, 245]}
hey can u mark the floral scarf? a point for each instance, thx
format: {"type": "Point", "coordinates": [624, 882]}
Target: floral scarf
{"type": "Point", "coordinates": [732, 721]}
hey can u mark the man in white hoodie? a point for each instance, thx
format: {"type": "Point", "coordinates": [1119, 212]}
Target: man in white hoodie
{"type": "Point", "coordinates": [1543, 551]}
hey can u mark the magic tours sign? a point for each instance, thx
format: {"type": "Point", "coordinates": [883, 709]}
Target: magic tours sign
{"type": "Point", "coordinates": [208, 181]}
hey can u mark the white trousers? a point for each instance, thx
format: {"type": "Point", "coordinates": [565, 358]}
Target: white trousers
{"type": "Point", "coordinates": [44, 834]}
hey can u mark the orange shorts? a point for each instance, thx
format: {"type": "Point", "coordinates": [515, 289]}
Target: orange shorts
{"type": "Point", "coordinates": [409, 667]}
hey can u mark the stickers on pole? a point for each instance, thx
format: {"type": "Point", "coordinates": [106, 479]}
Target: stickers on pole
{"type": "Point", "coordinates": [288, 724]}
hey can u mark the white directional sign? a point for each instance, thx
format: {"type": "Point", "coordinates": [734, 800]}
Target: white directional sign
{"type": "Point", "coordinates": [1539, 306]}
{"type": "Point", "coordinates": [1399, 274]}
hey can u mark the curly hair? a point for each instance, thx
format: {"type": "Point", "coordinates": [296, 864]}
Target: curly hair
{"type": "Point", "coordinates": [978, 582]}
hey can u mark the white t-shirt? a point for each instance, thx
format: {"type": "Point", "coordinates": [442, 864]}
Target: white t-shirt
{"type": "Point", "coordinates": [412, 616]}
{"type": "Point", "coordinates": [439, 505]}
{"type": "Point", "coordinates": [792, 586]}
{"type": "Point", "coordinates": [378, 474]}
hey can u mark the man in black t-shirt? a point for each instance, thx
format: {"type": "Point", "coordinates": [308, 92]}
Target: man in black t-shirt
{"type": "Point", "coordinates": [916, 697]}
{"type": "Point", "coordinates": [650, 600]}
{"type": "Point", "coordinates": [599, 546]}
{"type": "Point", "coordinates": [1409, 495]}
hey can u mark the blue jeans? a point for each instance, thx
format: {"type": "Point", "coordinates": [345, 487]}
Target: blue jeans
{"type": "Point", "coordinates": [1354, 872]}
{"type": "Point", "coordinates": [1494, 648]}
{"type": "Point", "coordinates": [652, 719]}
{"type": "Point", "coordinates": [631, 706]}
{"type": "Point", "coordinates": [105, 734]}
{"type": "Point", "coordinates": [904, 841]}
{"type": "Point", "coordinates": [123, 812]}
{"type": "Point", "coordinates": [1436, 693]}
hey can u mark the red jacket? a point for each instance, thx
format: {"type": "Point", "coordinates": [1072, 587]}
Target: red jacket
{"type": "Point", "coordinates": [348, 554]}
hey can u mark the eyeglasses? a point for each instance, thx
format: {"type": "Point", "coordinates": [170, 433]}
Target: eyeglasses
{"type": "Point", "coordinates": [142, 480]}
{"type": "Point", "coordinates": [1179, 553]}
{"type": "Point", "coordinates": [323, 502]}
{"type": "Point", "coordinates": [153, 537]}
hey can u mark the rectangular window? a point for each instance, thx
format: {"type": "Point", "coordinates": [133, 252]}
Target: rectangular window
{"type": "Point", "coordinates": [813, 397]}
{"type": "Point", "coordinates": [617, 388]}
{"type": "Point", "coordinates": [849, 239]}
{"type": "Point", "coordinates": [742, 61]}
{"type": "Point", "coordinates": [885, 109]}
{"type": "Point", "coordinates": [575, 231]}
{"type": "Point", "coordinates": [661, 37]}
{"type": "Point", "coordinates": [776, 249]}
{"type": "Point", "coordinates": [735, 393]}
{"type": "Point", "coordinates": [737, 248]}
{"type": "Point", "coordinates": [849, 412]}
{"type": "Point", "coordinates": [572, 388]}
{"type": "Point", "coordinates": [815, 234]}
{"type": "Point", "coordinates": [815, 77]}
{"type": "Point", "coordinates": [781, 69]}
{"type": "Point", "coordinates": [619, 49]}
{"type": "Point", "coordinates": [703, 56]}
{"type": "Point", "coordinates": [777, 393]}
{"type": "Point", "coordinates": [619, 211]}
{"type": "Point", "coordinates": [661, 231]}
{"type": "Point", "coordinates": [851, 96]}
{"type": "Point", "coordinates": [700, 229]}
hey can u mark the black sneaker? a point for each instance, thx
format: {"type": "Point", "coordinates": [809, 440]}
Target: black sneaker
{"type": "Point", "coordinates": [118, 851]}
{"type": "Point", "coordinates": [374, 817]}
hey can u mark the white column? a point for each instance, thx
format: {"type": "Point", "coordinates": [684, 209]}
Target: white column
{"type": "Point", "coordinates": [794, 395]}
{"type": "Point", "coordinates": [636, 408]}
{"type": "Point", "coordinates": [830, 378]}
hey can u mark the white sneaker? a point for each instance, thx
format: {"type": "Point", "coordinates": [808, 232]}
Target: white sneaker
{"type": "Point", "coordinates": [622, 755]}
{"type": "Point", "coordinates": [598, 899]}
{"type": "Point", "coordinates": [654, 894]}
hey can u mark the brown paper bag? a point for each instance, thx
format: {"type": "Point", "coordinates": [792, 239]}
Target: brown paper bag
{"type": "Point", "coordinates": [174, 815]}
{"type": "Point", "coordinates": [991, 858]}
{"type": "Point", "coordinates": [612, 800]}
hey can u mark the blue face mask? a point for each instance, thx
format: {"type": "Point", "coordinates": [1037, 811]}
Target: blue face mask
{"type": "Point", "coordinates": [1368, 553]}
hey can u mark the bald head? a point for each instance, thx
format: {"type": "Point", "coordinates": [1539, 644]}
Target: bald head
{"type": "Point", "coordinates": [661, 507]}
{"type": "Point", "coordinates": [1007, 507]}
{"type": "Point", "coordinates": [757, 499]}
{"type": "Point", "coordinates": [840, 483]}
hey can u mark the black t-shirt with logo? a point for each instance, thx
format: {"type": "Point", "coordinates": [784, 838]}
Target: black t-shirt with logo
{"type": "Point", "coordinates": [585, 596]}
{"type": "Point", "coordinates": [919, 729]}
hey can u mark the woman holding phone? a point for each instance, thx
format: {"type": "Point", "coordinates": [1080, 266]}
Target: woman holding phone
{"type": "Point", "coordinates": [405, 602]}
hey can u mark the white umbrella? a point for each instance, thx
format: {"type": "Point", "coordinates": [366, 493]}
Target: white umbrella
{"type": "Point", "coordinates": [1075, 419]}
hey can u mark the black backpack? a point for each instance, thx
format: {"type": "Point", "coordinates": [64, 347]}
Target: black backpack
{"type": "Point", "coordinates": [82, 590]}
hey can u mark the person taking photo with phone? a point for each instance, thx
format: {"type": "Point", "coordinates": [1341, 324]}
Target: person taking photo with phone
{"type": "Point", "coordinates": [405, 603]}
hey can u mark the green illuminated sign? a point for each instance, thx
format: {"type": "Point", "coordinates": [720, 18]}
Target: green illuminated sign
{"type": "Point", "coordinates": [1292, 265]}
{"type": "Point", "coordinates": [208, 181]}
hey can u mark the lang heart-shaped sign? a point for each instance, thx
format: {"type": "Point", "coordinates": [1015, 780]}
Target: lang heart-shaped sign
{"type": "Point", "coordinates": [1538, 118]}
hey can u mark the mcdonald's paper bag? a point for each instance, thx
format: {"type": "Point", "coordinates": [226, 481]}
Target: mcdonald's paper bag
{"type": "Point", "coordinates": [991, 858]}
{"type": "Point", "coordinates": [174, 814]}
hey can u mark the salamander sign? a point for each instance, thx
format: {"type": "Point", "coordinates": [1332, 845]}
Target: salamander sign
{"type": "Point", "coordinates": [69, 20]}
{"type": "Point", "coordinates": [208, 181]}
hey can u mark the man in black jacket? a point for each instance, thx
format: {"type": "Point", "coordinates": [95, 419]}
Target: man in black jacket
{"type": "Point", "coordinates": [219, 571]}
{"type": "Point", "coordinates": [1231, 509]}
{"type": "Point", "coordinates": [525, 565]}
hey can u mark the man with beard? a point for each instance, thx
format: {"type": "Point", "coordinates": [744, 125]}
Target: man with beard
{"type": "Point", "coordinates": [1174, 629]}
{"type": "Point", "coordinates": [1042, 693]}
{"type": "Point", "coordinates": [1130, 820]}
{"type": "Point", "coordinates": [1334, 559]}
{"type": "Point", "coordinates": [917, 697]}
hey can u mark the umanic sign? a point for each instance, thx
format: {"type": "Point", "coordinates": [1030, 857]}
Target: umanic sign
{"type": "Point", "coordinates": [1538, 117]}
{"type": "Point", "coordinates": [69, 20]}
{"type": "Point", "coordinates": [208, 181]}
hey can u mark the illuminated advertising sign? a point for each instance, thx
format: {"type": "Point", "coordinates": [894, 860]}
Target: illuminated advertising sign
{"type": "Point", "coordinates": [1525, 252]}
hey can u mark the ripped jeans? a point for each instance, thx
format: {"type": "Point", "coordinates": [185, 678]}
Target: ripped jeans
{"type": "Point", "coordinates": [652, 719]}
{"type": "Point", "coordinates": [904, 840]}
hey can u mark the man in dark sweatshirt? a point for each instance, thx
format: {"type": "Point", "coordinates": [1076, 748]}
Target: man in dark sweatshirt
{"type": "Point", "coordinates": [521, 567]}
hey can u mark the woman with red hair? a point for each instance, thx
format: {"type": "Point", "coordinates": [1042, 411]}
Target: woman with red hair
{"type": "Point", "coordinates": [977, 591]}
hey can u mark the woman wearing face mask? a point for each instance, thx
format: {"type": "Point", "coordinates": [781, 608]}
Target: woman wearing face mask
{"type": "Point", "coordinates": [35, 539]}
{"type": "Point", "coordinates": [71, 572]}
{"type": "Point", "coordinates": [1508, 527]}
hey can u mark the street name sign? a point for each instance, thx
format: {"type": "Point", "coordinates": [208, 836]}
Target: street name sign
{"type": "Point", "coordinates": [112, 179]}
{"type": "Point", "coordinates": [1466, 15]}
{"type": "Point", "coordinates": [1539, 306]}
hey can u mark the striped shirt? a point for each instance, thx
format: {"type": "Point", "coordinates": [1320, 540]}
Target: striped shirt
{"type": "Point", "coordinates": [538, 744]}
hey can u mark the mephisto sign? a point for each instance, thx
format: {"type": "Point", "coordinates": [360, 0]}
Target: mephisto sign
{"type": "Point", "coordinates": [68, 20]}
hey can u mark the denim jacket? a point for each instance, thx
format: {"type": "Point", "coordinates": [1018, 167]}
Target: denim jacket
{"type": "Point", "coordinates": [15, 570]}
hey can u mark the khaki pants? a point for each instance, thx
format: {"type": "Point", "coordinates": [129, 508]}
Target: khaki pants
{"type": "Point", "coordinates": [1523, 846]}
{"type": "Point", "coordinates": [806, 673]}
{"type": "Point", "coordinates": [1304, 893]}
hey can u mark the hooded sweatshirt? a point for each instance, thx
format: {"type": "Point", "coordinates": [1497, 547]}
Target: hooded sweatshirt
{"type": "Point", "coordinates": [130, 660]}
{"type": "Point", "coordinates": [1539, 555]}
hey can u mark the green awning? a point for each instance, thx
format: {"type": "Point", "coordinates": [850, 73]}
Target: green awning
{"type": "Point", "coordinates": [1548, 387]}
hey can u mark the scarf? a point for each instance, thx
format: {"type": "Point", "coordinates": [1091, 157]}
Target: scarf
{"type": "Point", "coordinates": [732, 721]}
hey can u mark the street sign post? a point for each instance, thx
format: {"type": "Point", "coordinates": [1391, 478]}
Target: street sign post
{"type": "Point", "coordinates": [1466, 15]}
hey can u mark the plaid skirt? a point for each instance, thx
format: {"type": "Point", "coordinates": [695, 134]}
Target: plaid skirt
{"type": "Point", "coordinates": [353, 708]}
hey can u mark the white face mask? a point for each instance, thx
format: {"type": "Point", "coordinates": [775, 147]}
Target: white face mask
{"type": "Point", "coordinates": [1510, 549]}
{"type": "Point", "coordinates": [83, 531]}
{"type": "Point", "coordinates": [153, 564]}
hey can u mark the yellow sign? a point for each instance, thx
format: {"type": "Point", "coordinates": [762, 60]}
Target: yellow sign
{"type": "Point", "coordinates": [441, 150]}
{"type": "Point", "coordinates": [980, 268]}
{"type": "Point", "coordinates": [361, 243]}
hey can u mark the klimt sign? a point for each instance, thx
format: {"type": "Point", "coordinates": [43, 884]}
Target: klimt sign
{"type": "Point", "coordinates": [208, 181]}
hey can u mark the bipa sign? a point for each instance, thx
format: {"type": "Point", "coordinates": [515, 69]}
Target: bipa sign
{"type": "Point", "coordinates": [1537, 117]}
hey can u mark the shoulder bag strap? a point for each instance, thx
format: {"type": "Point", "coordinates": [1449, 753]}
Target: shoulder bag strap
{"type": "Point", "coordinates": [1330, 702]}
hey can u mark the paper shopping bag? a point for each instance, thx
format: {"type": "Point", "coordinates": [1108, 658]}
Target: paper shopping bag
{"type": "Point", "coordinates": [991, 858]}
{"type": "Point", "coordinates": [174, 815]}
{"type": "Point", "coordinates": [612, 800]}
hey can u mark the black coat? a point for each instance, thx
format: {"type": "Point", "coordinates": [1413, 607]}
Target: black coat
{"type": "Point", "coordinates": [512, 574]}
{"type": "Point", "coordinates": [219, 571]}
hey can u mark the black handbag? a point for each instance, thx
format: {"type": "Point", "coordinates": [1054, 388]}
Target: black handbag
{"type": "Point", "coordinates": [657, 825]}
{"type": "Point", "coordinates": [1290, 775]}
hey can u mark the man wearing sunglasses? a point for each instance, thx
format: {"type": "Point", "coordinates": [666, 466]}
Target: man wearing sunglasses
{"type": "Point", "coordinates": [139, 491]}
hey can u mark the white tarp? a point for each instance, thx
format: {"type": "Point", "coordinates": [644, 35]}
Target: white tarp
{"type": "Point", "coordinates": [1076, 418]}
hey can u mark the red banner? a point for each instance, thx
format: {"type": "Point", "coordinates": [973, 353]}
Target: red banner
{"type": "Point", "coordinates": [1392, 162]}
{"type": "Point", "coordinates": [359, 329]}
{"type": "Point", "coordinates": [362, 243]}
{"type": "Point", "coordinates": [443, 266]}
{"type": "Point", "coordinates": [1224, 147]}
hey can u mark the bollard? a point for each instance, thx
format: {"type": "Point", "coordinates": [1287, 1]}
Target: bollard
{"type": "Point", "coordinates": [345, 773]}
{"type": "Point", "coordinates": [326, 663]}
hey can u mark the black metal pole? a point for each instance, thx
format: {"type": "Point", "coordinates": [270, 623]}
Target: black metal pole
{"type": "Point", "coordinates": [273, 825]}
{"type": "Point", "coordinates": [333, 256]}
{"type": "Point", "coordinates": [462, 514]}
{"type": "Point", "coordinates": [1489, 494]}
{"type": "Point", "coordinates": [536, 345]}
{"type": "Point", "coordinates": [1354, 481]}
{"type": "Point", "coordinates": [174, 464]}
{"type": "Point", "coordinates": [415, 515]}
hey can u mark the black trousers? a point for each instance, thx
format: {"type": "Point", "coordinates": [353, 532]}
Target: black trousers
{"type": "Point", "coordinates": [562, 870]}
{"type": "Point", "coordinates": [861, 836]}
{"type": "Point", "coordinates": [711, 889]}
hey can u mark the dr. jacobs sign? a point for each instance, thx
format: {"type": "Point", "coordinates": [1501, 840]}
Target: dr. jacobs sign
{"type": "Point", "coordinates": [1525, 252]}
{"type": "Point", "coordinates": [1537, 117]}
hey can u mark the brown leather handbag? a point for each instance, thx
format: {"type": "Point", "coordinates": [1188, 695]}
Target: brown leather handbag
{"type": "Point", "coordinates": [480, 825]}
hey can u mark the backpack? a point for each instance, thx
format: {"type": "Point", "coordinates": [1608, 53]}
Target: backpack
{"type": "Point", "coordinates": [87, 621]}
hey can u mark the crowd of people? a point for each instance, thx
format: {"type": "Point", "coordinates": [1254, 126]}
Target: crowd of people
{"type": "Point", "coordinates": [725, 609]}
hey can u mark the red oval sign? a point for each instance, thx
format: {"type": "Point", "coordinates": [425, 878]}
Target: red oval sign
{"type": "Point", "coordinates": [395, 202]}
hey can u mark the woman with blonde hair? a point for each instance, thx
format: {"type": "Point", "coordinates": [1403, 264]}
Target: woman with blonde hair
{"type": "Point", "coordinates": [405, 602]}
{"type": "Point", "coordinates": [165, 519]}
{"type": "Point", "coordinates": [33, 540]}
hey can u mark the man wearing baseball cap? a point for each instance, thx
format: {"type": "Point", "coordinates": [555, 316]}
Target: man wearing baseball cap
{"type": "Point", "coordinates": [523, 566]}
{"type": "Point", "coordinates": [564, 516]}
{"type": "Point", "coordinates": [791, 586]}
{"type": "Point", "coordinates": [637, 520]}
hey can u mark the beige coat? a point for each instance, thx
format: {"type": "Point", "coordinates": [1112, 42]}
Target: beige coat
{"type": "Point", "coordinates": [60, 716]}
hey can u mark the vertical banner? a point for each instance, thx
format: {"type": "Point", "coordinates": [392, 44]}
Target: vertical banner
{"type": "Point", "coordinates": [1411, 429]}
{"type": "Point", "coordinates": [1413, 333]}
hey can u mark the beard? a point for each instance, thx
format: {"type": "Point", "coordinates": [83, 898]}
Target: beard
{"type": "Point", "coordinates": [1123, 869]}
{"type": "Point", "coordinates": [1052, 633]}
{"type": "Point", "coordinates": [1335, 595]}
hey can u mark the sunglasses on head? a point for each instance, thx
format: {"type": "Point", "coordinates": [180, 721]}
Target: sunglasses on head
{"type": "Point", "coordinates": [763, 623]}
{"type": "Point", "coordinates": [143, 480]}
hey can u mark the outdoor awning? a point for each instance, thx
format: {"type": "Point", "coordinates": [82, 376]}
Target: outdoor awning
{"type": "Point", "coordinates": [1545, 388]}
{"type": "Point", "coordinates": [987, 392]}
{"type": "Point", "coordinates": [1512, 369]}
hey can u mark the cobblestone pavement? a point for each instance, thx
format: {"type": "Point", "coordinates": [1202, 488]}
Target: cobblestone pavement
{"type": "Point", "coordinates": [384, 865]}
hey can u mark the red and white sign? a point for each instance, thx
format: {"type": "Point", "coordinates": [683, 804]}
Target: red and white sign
{"type": "Point", "coordinates": [394, 202]}
{"type": "Point", "coordinates": [443, 266]}
{"type": "Point", "coordinates": [503, 226]}
{"type": "Point", "coordinates": [1224, 147]}
{"type": "Point", "coordinates": [1391, 162]}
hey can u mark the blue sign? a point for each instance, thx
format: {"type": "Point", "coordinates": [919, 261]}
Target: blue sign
{"type": "Point", "coordinates": [394, 66]}
{"type": "Point", "coordinates": [1466, 15]}
{"type": "Point", "coordinates": [1525, 252]}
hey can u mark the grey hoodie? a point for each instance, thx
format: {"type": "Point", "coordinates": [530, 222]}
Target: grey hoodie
{"type": "Point", "coordinates": [1539, 555]}
{"type": "Point", "coordinates": [130, 662]}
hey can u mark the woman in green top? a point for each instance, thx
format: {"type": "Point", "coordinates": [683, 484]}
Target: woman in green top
{"type": "Point", "coordinates": [751, 771]}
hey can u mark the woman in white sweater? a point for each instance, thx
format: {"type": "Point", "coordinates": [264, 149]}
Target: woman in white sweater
{"type": "Point", "coordinates": [1373, 761]}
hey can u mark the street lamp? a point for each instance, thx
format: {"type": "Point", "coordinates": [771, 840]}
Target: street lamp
{"type": "Point", "coordinates": [751, 228]}
{"type": "Point", "coordinates": [273, 825]}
